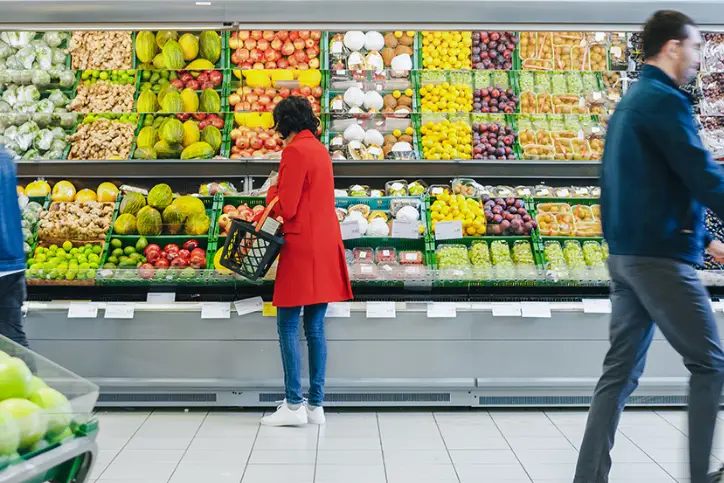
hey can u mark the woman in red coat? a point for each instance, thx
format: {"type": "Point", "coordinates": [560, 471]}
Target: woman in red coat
{"type": "Point", "coordinates": [312, 269]}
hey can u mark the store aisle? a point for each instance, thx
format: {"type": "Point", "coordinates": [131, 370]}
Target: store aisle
{"type": "Point", "coordinates": [385, 447]}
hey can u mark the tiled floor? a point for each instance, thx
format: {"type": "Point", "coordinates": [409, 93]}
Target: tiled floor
{"type": "Point", "coordinates": [385, 447]}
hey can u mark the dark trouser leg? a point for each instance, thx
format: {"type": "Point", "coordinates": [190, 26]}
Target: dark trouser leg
{"type": "Point", "coordinates": [680, 305]}
{"type": "Point", "coordinates": [630, 334]}
{"type": "Point", "coordinates": [288, 330]}
{"type": "Point", "coordinates": [13, 293]}
{"type": "Point", "coordinates": [317, 345]}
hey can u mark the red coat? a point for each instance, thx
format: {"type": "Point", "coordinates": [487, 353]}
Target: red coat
{"type": "Point", "coordinates": [312, 265]}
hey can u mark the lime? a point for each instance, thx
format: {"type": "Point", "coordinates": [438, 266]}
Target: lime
{"type": "Point", "coordinates": [82, 259]}
{"type": "Point", "coordinates": [41, 257]}
{"type": "Point", "coordinates": [109, 266]}
{"type": "Point", "coordinates": [93, 266]}
{"type": "Point", "coordinates": [70, 275]}
{"type": "Point", "coordinates": [31, 262]}
{"type": "Point", "coordinates": [61, 252]}
{"type": "Point", "coordinates": [53, 248]}
{"type": "Point", "coordinates": [91, 274]}
{"type": "Point", "coordinates": [93, 258]}
{"type": "Point", "coordinates": [141, 244]}
{"type": "Point", "coordinates": [129, 250]}
{"type": "Point", "coordinates": [73, 251]}
{"type": "Point", "coordinates": [116, 243]}
{"type": "Point", "coordinates": [80, 275]}
{"type": "Point", "coordinates": [83, 266]}
{"type": "Point", "coordinates": [118, 252]}
{"type": "Point", "coordinates": [88, 246]}
{"type": "Point", "coordinates": [97, 249]}
{"type": "Point", "coordinates": [67, 246]}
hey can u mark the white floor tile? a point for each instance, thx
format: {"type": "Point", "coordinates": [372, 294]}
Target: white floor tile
{"type": "Point", "coordinates": [275, 457]}
{"type": "Point", "coordinates": [471, 457]}
{"type": "Point", "coordinates": [491, 473]}
{"type": "Point", "coordinates": [208, 473]}
{"type": "Point", "coordinates": [350, 474]}
{"type": "Point", "coordinates": [419, 472]}
{"type": "Point", "coordinates": [333, 457]}
{"type": "Point", "coordinates": [411, 457]}
{"type": "Point", "coordinates": [276, 474]}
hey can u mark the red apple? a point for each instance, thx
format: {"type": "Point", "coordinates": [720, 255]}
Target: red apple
{"type": "Point", "coordinates": [238, 107]}
{"type": "Point", "coordinates": [234, 99]}
{"type": "Point", "coordinates": [243, 55]}
{"type": "Point", "coordinates": [216, 77]}
{"type": "Point", "coordinates": [246, 66]}
{"type": "Point", "coordinates": [314, 63]}
{"type": "Point", "coordinates": [268, 35]}
{"type": "Point", "coordinates": [288, 48]}
{"type": "Point", "coordinates": [305, 91]}
{"type": "Point", "coordinates": [310, 43]}
{"type": "Point", "coordinates": [193, 84]}
{"type": "Point", "coordinates": [244, 34]}
{"type": "Point", "coordinates": [255, 144]}
{"type": "Point", "coordinates": [242, 142]}
{"type": "Point", "coordinates": [296, 92]}
{"type": "Point", "coordinates": [270, 66]}
{"type": "Point", "coordinates": [277, 99]}
{"type": "Point", "coordinates": [264, 100]}
{"type": "Point", "coordinates": [316, 34]}
{"type": "Point", "coordinates": [284, 92]}
{"type": "Point", "coordinates": [218, 123]}
{"type": "Point", "coordinates": [276, 44]}
{"type": "Point", "coordinates": [293, 35]}
{"type": "Point", "coordinates": [207, 85]}
{"type": "Point", "coordinates": [300, 56]}
{"type": "Point", "coordinates": [264, 136]}
{"type": "Point", "coordinates": [305, 34]}
{"type": "Point", "coordinates": [256, 55]}
{"type": "Point", "coordinates": [202, 125]}
{"type": "Point", "coordinates": [161, 263]}
{"type": "Point", "coordinates": [270, 143]}
{"type": "Point", "coordinates": [311, 53]}
{"type": "Point", "coordinates": [203, 77]}
{"type": "Point", "coordinates": [262, 44]}
{"type": "Point", "coordinates": [317, 91]}
{"type": "Point", "coordinates": [282, 35]}
{"type": "Point", "coordinates": [257, 34]}
{"type": "Point", "coordinates": [282, 63]}
{"type": "Point", "coordinates": [271, 55]}
{"type": "Point", "coordinates": [185, 76]}
{"type": "Point", "coordinates": [234, 41]}
{"type": "Point", "coordinates": [250, 44]}
{"type": "Point", "coordinates": [299, 44]}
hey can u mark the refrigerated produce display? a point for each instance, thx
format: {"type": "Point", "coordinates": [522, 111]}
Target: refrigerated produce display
{"type": "Point", "coordinates": [465, 166]}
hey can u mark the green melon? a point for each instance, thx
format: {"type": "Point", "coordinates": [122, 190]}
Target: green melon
{"type": "Point", "coordinates": [132, 203]}
{"type": "Point", "coordinates": [173, 55]}
{"type": "Point", "coordinates": [125, 225]}
{"type": "Point", "coordinates": [197, 224]}
{"type": "Point", "coordinates": [210, 45]}
{"type": "Point", "coordinates": [212, 136]}
{"type": "Point", "coordinates": [189, 205]}
{"type": "Point", "coordinates": [148, 222]}
{"type": "Point", "coordinates": [173, 220]}
{"type": "Point", "coordinates": [160, 196]}
{"type": "Point", "coordinates": [172, 131]}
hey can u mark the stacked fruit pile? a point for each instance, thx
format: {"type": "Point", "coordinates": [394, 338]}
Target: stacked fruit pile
{"type": "Point", "coordinates": [149, 261]}
{"type": "Point", "coordinates": [494, 93]}
{"type": "Point", "coordinates": [67, 261]}
{"type": "Point", "coordinates": [451, 207]}
{"type": "Point", "coordinates": [257, 49]}
{"type": "Point", "coordinates": [165, 50]}
{"type": "Point", "coordinates": [33, 415]}
{"type": "Point", "coordinates": [184, 136]}
{"type": "Point", "coordinates": [253, 136]}
{"type": "Point", "coordinates": [447, 50]}
{"type": "Point", "coordinates": [562, 219]}
{"type": "Point", "coordinates": [493, 50]}
{"type": "Point", "coordinates": [494, 141]}
{"type": "Point", "coordinates": [560, 137]}
{"type": "Point", "coordinates": [159, 213]}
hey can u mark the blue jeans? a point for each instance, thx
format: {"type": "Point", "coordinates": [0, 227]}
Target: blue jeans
{"type": "Point", "coordinates": [668, 293]}
{"type": "Point", "coordinates": [288, 329]}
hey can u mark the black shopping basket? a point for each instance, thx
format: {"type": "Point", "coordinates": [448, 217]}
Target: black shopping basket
{"type": "Point", "coordinates": [251, 250]}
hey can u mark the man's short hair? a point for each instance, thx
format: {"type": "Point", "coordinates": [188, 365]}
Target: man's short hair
{"type": "Point", "coordinates": [663, 26]}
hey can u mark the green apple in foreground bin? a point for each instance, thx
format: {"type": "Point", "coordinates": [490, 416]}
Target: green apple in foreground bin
{"type": "Point", "coordinates": [30, 411]}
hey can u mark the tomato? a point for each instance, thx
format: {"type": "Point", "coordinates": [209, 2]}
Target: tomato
{"type": "Point", "coordinates": [171, 248]}
{"type": "Point", "coordinates": [190, 245]}
{"type": "Point", "coordinates": [179, 262]}
{"type": "Point", "coordinates": [185, 254]}
{"type": "Point", "coordinates": [198, 252]}
{"type": "Point", "coordinates": [197, 261]}
{"type": "Point", "coordinates": [152, 255]}
{"type": "Point", "coordinates": [150, 247]}
{"type": "Point", "coordinates": [161, 263]}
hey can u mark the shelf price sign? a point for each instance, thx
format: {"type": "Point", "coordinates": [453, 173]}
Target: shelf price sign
{"type": "Point", "coordinates": [350, 230]}
{"type": "Point", "coordinates": [448, 230]}
{"type": "Point", "coordinates": [405, 229]}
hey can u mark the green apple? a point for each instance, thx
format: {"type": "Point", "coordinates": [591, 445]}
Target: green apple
{"type": "Point", "coordinates": [9, 434]}
{"type": "Point", "coordinates": [15, 378]}
{"type": "Point", "coordinates": [58, 410]}
{"type": "Point", "coordinates": [30, 420]}
{"type": "Point", "coordinates": [37, 383]}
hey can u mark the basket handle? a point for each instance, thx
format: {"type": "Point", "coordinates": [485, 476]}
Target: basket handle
{"type": "Point", "coordinates": [267, 212]}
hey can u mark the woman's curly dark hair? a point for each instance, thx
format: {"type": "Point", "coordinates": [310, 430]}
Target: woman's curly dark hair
{"type": "Point", "coordinates": [293, 115]}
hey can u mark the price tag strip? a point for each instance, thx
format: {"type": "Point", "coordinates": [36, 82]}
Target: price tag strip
{"type": "Point", "coordinates": [596, 306]}
{"type": "Point", "coordinates": [161, 297]}
{"type": "Point", "coordinates": [216, 310]}
{"type": "Point", "coordinates": [506, 309]}
{"type": "Point", "coordinates": [442, 310]}
{"type": "Point", "coordinates": [83, 310]}
{"type": "Point", "coordinates": [448, 230]}
{"type": "Point", "coordinates": [119, 310]}
{"type": "Point", "coordinates": [381, 310]}
{"type": "Point", "coordinates": [535, 310]}
{"type": "Point", "coordinates": [340, 310]}
{"type": "Point", "coordinates": [405, 229]}
{"type": "Point", "coordinates": [249, 306]}
{"type": "Point", "coordinates": [350, 230]}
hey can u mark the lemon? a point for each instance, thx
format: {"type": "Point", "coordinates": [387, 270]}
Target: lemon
{"type": "Point", "coordinates": [408, 92]}
{"type": "Point", "coordinates": [397, 133]}
{"type": "Point", "coordinates": [396, 94]}
{"type": "Point", "coordinates": [398, 34]}
{"type": "Point", "coordinates": [409, 131]}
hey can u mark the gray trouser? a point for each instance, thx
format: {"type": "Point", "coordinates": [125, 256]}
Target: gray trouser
{"type": "Point", "coordinates": [645, 291]}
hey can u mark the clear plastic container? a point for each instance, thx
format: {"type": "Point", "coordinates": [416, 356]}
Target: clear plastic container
{"type": "Point", "coordinates": [438, 189]}
{"type": "Point", "coordinates": [386, 255]}
{"type": "Point", "coordinates": [543, 191]}
{"type": "Point", "coordinates": [378, 214]}
{"type": "Point", "coordinates": [364, 255]}
{"type": "Point", "coordinates": [536, 50]}
{"type": "Point", "coordinates": [547, 224]}
{"type": "Point", "coordinates": [573, 254]}
{"type": "Point", "coordinates": [358, 190]}
{"type": "Point", "coordinates": [479, 254]}
{"type": "Point", "coordinates": [524, 191]}
{"type": "Point", "coordinates": [452, 256]}
{"type": "Point", "coordinates": [593, 254]}
{"type": "Point", "coordinates": [523, 253]}
{"type": "Point", "coordinates": [410, 257]}
{"type": "Point", "coordinates": [596, 210]}
{"type": "Point", "coordinates": [417, 188]}
{"type": "Point", "coordinates": [554, 255]}
{"type": "Point", "coordinates": [364, 271]}
{"type": "Point", "coordinates": [396, 204]}
{"type": "Point", "coordinates": [466, 187]}
{"type": "Point", "coordinates": [582, 213]}
{"type": "Point", "coordinates": [566, 224]}
{"type": "Point", "coordinates": [500, 253]}
{"type": "Point", "coordinates": [538, 151]}
{"type": "Point", "coordinates": [389, 271]}
{"type": "Point", "coordinates": [360, 208]}
{"type": "Point", "coordinates": [588, 229]}
{"type": "Point", "coordinates": [553, 208]}
{"type": "Point", "coordinates": [396, 188]}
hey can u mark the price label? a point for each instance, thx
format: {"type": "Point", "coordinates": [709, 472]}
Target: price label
{"type": "Point", "coordinates": [82, 310]}
{"type": "Point", "coordinates": [405, 229]}
{"type": "Point", "coordinates": [448, 230]}
{"type": "Point", "coordinates": [117, 310]}
{"type": "Point", "coordinates": [506, 309]}
{"type": "Point", "coordinates": [268, 310]}
{"type": "Point", "coordinates": [616, 51]}
{"type": "Point", "coordinates": [441, 310]}
{"type": "Point", "coordinates": [381, 310]}
{"type": "Point", "coordinates": [600, 36]}
{"type": "Point", "coordinates": [597, 96]}
{"type": "Point", "coordinates": [249, 306]}
{"type": "Point", "coordinates": [339, 310]}
{"type": "Point", "coordinates": [596, 306]}
{"type": "Point", "coordinates": [350, 230]}
{"type": "Point", "coordinates": [535, 310]}
{"type": "Point", "coordinates": [215, 310]}
{"type": "Point", "coordinates": [161, 297]}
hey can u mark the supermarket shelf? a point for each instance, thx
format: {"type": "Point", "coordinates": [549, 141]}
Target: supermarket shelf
{"type": "Point", "coordinates": [349, 169]}
{"type": "Point", "coordinates": [334, 14]}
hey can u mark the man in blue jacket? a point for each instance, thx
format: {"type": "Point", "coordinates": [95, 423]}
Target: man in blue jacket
{"type": "Point", "coordinates": [12, 256]}
{"type": "Point", "coordinates": [656, 177]}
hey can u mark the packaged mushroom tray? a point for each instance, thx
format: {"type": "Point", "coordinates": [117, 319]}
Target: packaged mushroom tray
{"type": "Point", "coordinates": [562, 137]}
{"type": "Point", "coordinates": [382, 59]}
{"type": "Point", "coordinates": [564, 51]}
{"type": "Point", "coordinates": [561, 93]}
{"type": "Point", "coordinates": [376, 216]}
{"type": "Point", "coordinates": [566, 220]}
{"type": "Point", "coordinates": [373, 139]}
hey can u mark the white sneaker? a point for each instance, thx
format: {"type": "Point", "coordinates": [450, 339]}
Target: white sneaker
{"type": "Point", "coordinates": [285, 416]}
{"type": "Point", "coordinates": [316, 416]}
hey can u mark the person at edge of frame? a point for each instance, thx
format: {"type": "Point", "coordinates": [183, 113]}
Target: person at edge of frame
{"type": "Point", "coordinates": [654, 158]}
{"type": "Point", "coordinates": [13, 289]}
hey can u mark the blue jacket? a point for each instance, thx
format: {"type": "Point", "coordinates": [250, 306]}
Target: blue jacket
{"type": "Point", "coordinates": [656, 174]}
{"type": "Point", "coordinates": [12, 256]}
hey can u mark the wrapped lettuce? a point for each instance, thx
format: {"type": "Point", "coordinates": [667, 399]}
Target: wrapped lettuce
{"type": "Point", "coordinates": [26, 135]}
{"type": "Point", "coordinates": [10, 133]}
{"type": "Point", "coordinates": [45, 105]}
{"type": "Point", "coordinates": [11, 95]}
{"type": "Point", "coordinates": [43, 140]}
{"type": "Point", "coordinates": [55, 154]}
{"type": "Point", "coordinates": [14, 63]}
{"type": "Point", "coordinates": [17, 39]}
{"type": "Point", "coordinates": [43, 119]}
{"type": "Point", "coordinates": [30, 155]}
{"type": "Point", "coordinates": [28, 94]}
{"type": "Point", "coordinates": [58, 145]}
{"type": "Point", "coordinates": [58, 98]}
{"type": "Point", "coordinates": [26, 56]}
{"type": "Point", "coordinates": [41, 78]}
{"type": "Point", "coordinates": [44, 57]}
{"type": "Point", "coordinates": [5, 107]}
{"type": "Point", "coordinates": [59, 56]}
{"type": "Point", "coordinates": [68, 120]}
{"type": "Point", "coordinates": [66, 78]}
{"type": "Point", "coordinates": [5, 77]}
{"type": "Point", "coordinates": [5, 50]}
{"type": "Point", "coordinates": [54, 39]}
{"type": "Point", "coordinates": [58, 133]}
